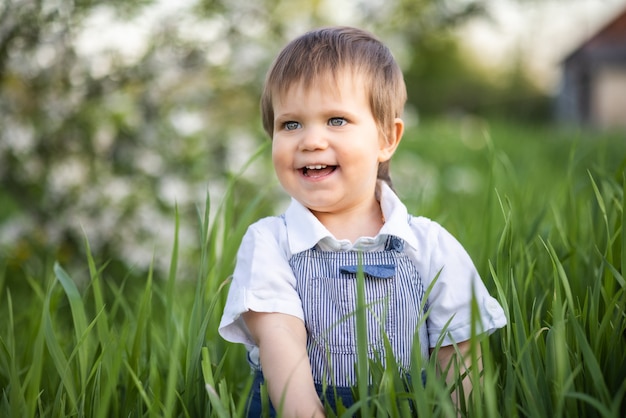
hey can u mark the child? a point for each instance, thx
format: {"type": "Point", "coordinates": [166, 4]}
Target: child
{"type": "Point", "coordinates": [332, 104]}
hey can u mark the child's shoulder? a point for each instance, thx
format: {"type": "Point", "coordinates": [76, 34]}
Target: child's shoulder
{"type": "Point", "coordinates": [269, 225]}
{"type": "Point", "coordinates": [428, 231]}
{"type": "Point", "coordinates": [265, 237]}
{"type": "Point", "coordinates": [423, 224]}
{"type": "Point", "coordinates": [270, 230]}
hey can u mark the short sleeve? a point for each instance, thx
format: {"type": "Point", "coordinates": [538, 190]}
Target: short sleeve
{"type": "Point", "coordinates": [456, 283]}
{"type": "Point", "coordinates": [262, 281]}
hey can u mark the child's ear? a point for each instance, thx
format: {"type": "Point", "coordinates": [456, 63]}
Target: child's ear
{"type": "Point", "coordinates": [388, 145]}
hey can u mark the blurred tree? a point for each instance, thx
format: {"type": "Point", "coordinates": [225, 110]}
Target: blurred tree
{"type": "Point", "coordinates": [104, 139]}
{"type": "Point", "coordinates": [108, 143]}
{"type": "Point", "coordinates": [443, 79]}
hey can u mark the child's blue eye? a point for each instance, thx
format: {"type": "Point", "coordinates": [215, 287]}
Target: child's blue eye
{"type": "Point", "coordinates": [291, 125]}
{"type": "Point", "coordinates": [337, 121]}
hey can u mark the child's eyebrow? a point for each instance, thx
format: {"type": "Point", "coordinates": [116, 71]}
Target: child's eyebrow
{"type": "Point", "coordinates": [331, 112]}
{"type": "Point", "coordinates": [285, 115]}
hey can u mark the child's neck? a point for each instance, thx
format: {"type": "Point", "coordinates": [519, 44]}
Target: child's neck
{"type": "Point", "coordinates": [352, 225]}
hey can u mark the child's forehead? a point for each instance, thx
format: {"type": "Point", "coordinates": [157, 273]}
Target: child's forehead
{"type": "Point", "coordinates": [328, 82]}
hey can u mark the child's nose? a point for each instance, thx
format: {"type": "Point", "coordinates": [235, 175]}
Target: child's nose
{"type": "Point", "coordinates": [313, 139]}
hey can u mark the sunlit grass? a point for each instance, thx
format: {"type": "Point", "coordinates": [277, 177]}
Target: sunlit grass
{"type": "Point", "coordinates": [544, 221]}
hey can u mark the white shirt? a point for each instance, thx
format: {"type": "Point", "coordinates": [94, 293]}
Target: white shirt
{"type": "Point", "coordinates": [264, 282]}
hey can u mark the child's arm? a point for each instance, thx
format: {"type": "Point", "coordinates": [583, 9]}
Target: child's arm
{"type": "Point", "coordinates": [458, 363]}
{"type": "Point", "coordinates": [281, 339]}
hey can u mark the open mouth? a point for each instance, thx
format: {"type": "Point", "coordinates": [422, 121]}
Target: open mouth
{"type": "Point", "coordinates": [318, 170]}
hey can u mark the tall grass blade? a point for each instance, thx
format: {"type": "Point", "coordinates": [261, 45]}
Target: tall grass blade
{"type": "Point", "coordinates": [560, 274]}
{"type": "Point", "coordinates": [79, 319]}
{"type": "Point", "coordinates": [171, 280]}
{"type": "Point", "coordinates": [209, 382]}
{"type": "Point", "coordinates": [8, 366]}
{"type": "Point", "coordinates": [601, 205]}
{"type": "Point", "coordinates": [173, 374]}
{"type": "Point", "coordinates": [623, 222]}
{"type": "Point", "coordinates": [55, 349]}
{"type": "Point", "coordinates": [96, 286]}
{"type": "Point", "coordinates": [362, 340]}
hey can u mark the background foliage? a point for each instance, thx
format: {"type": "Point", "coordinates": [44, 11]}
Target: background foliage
{"type": "Point", "coordinates": [103, 139]}
{"type": "Point", "coordinates": [128, 175]}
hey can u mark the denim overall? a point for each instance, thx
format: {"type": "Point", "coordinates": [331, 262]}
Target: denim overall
{"type": "Point", "coordinates": [327, 285]}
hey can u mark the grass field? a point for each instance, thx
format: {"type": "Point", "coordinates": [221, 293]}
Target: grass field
{"type": "Point", "coordinates": [540, 210]}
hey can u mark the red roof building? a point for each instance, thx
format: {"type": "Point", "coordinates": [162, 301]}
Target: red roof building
{"type": "Point", "coordinates": [593, 89]}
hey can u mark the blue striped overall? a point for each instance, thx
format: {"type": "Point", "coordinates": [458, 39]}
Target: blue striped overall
{"type": "Point", "coordinates": [327, 285]}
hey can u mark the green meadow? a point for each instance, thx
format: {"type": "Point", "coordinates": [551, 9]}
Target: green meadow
{"type": "Point", "coordinates": [540, 210]}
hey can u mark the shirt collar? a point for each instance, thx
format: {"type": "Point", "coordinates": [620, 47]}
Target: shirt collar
{"type": "Point", "coordinates": [396, 216]}
{"type": "Point", "coordinates": [304, 231]}
{"type": "Point", "coordinates": [303, 228]}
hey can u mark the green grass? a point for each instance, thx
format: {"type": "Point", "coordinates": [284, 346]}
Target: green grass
{"type": "Point", "coordinates": [541, 211]}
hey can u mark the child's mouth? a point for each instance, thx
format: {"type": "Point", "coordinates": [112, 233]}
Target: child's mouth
{"type": "Point", "coordinates": [319, 170]}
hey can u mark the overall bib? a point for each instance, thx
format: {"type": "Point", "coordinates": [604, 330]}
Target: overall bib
{"type": "Point", "coordinates": [326, 282]}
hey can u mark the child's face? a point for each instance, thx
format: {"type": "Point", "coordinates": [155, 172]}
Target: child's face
{"type": "Point", "coordinates": [326, 144]}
